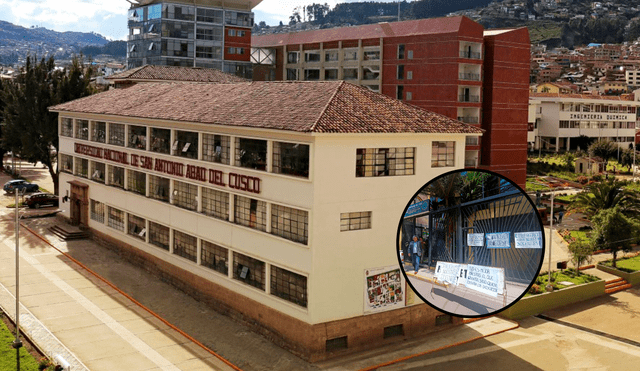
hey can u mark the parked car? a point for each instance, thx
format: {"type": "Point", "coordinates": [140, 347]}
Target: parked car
{"type": "Point", "coordinates": [12, 185]}
{"type": "Point", "coordinates": [38, 200]}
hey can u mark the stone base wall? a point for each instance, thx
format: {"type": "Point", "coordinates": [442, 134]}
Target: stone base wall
{"type": "Point", "coordinates": [308, 341]}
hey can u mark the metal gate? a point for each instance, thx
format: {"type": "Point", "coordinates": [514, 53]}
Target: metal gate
{"type": "Point", "coordinates": [507, 212]}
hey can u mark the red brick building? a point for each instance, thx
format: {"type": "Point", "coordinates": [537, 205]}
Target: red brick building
{"type": "Point", "coordinates": [451, 66]}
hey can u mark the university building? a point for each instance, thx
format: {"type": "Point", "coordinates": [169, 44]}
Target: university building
{"type": "Point", "coordinates": [204, 33]}
{"type": "Point", "coordinates": [451, 66]}
{"type": "Point", "coordinates": [557, 121]}
{"type": "Point", "coordinates": [282, 215]}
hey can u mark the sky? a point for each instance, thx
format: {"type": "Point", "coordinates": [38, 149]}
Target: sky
{"type": "Point", "coordinates": [109, 18]}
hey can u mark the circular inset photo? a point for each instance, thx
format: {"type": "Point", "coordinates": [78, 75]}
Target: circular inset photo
{"type": "Point", "coordinates": [470, 243]}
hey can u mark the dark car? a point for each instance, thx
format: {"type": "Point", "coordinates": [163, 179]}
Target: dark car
{"type": "Point", "coordinates": [38, 200]}
{"type": "Point", "coordinates": [12, 185]}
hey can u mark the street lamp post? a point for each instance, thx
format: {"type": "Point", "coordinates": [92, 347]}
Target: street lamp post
{"type": "Point", "coordinates": [17, 344]}
{"type": "Point", "coordinates": [550, 240]}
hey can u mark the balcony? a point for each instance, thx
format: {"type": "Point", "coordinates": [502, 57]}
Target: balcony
{"type": "Point", "coordinates": [470, 55]}
{"type": "Point", "coordinates": [470, 76]}
{"type": "Point", "coordinates": [468, 119]}
{"type": "Point", "coordinates": [469, 98]}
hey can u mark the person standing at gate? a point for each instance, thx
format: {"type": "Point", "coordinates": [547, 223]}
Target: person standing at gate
{"type": "Point", "coordinates": [415, 253]}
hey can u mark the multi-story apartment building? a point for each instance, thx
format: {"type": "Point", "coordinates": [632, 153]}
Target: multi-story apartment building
{"type": "Point", "coordinates": [201, 33]}
{"type": "Point", "coordinates": [278, 202]}
{"type": "Point", "coordinates": [451, 66]}
{"type": "Point", "coordinates": [556, 119]}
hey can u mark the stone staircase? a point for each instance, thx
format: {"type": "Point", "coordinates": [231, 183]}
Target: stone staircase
{"type": "Point", "coordinates": [66, 232]}
{"type": "Point", "coordinates": [615, 285]}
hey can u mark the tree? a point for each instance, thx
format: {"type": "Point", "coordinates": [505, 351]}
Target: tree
{"type": "Point", "coordinates": [580, 251]}
{"type": "Point", "coordinates": [605, 196]}
{"type": "Point", "coordinates": [30, 129]}
{"type": "Point", "coordinates": [611, 230]}
{"type": "Point", "coordinates": [604, 149]}
{"type": "Point", "coordinates": [626, 158]}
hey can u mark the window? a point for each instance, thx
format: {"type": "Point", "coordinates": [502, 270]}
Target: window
{"type": "Point", "coordinates": [238, 18]}
{"type": "Point", "coordinates": [400, 92]}
{"type": "Point", "coordinates": [312, 56]}
{"type": "Point", "coordinates": [249, 270]}
{"type": "Point", "coordinates": [331, 74]}
{"type": "Point", "coordinates": [116, 176]}
{"type": "Point", "coordinates": [289, 223]}
{"type": "Point", "coordinates": [66, 163]}
{"type": "Point", "coordinates": [204, 52]}
{"type": "Point", "coordinates": [186, 144]}
{"type": "Point", "coordinates": [215, 203]}
{"type": "Point", "coordinates": [236, 50]}
{"type": "Point", "coordinates": [293, 57]}
{"type": "Point", "coordinates": [97, 211]}
{"type": "Point", "coordinates": [250, 213]}
{"type": "Point", "coordinates": [311, 75]}
{"type": "Point", "coordinates": [98, 131]}
{"type": "Point", "coordinates": [215, 257]}
{"type": "Point", "coordinates": [171, 11]}
{"type": "Point", "coordinates": [185, 245]}
{"type": "Point", "coordinates": [292, 74]}
{"type": "Point", "coordinates": [161, 142]}
{"type": "Point", "coordinates": [289, 286]}
{"type": "Point", "coordinates": [350, 73]}
{"type": "Point", "coordinates": [251, 153]}
{"type": "Point", "coordinates": [410, 54]}
{"type": "Point", "coordinates": [564, 124]}
{"type": "Point", "coordinates": [66, 129]}
{"type": "Point", "coordinates": [351, 54]}
{"type": "Point", "coordinates": [472, 141]}
{"type": "Point", "coordinates": [137, 227]}
{"type": "Point", "coordinates": [384, 161]}
{"type": "Point", "coordinates": [97, 171]}
{"type": "Point", "coordinates": [209, 15]}
{"type": "Point", "coordinates": [159, 188]}
{"type": "Point", "coordinates": [373, 55]}
{"type": "Point", "coordinates": [137, 182]}
{"type": "Point", "coordinates": [443, 154]}
{"type": "Point", "coordinates": [400, 72]}
{"type": "Point", "coordinates": [82, 167]}
{"type": "Point", "coordinates": [409, 75]}
{"type": "Point", "coordinates": [215, 148]}
{"type": "Point", "coordinates": [409, 95]}
{"type": "Point", "coordinates": [116, 219]}
{"type": "Point", "coordinates": [331, 56]}
{"type": "Point", "coordinates": [137, 137]}
{"type": "Point", "coordinates": [209, 33]}
{"type": "Point", "coordinates": [291, 159]}
{"type": "Point", "coordinates": [185, 195]}
{"type": "Point", "coordinates": [355, 221]}
{"type": "Point", "coordinates": [116, 134]}
{"type": "Point", "coordinates": [401, 51]}
{"type": "Point", "coordinates": [231, 32]}
{"type": "Point", "coordinates": [82, 129]}
{"type": "Point", "coordinates": [177, 48]}
{"type": "Point", "coordinates": [159, 235]}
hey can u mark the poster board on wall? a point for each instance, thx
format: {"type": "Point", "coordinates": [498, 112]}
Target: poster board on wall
{"type": "Point", "coordinates": [384, 289]}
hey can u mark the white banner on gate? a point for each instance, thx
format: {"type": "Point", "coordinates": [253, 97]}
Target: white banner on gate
{"type": "Point", "coordinates": [528, 240]}
{"type": "Point", "coordinates": [475, 239]}
{"type": "Point", "coordinates": [488, 280]}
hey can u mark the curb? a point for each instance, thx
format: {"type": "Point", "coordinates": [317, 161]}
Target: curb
{"type": "Point", "coordinates": [402, 359]}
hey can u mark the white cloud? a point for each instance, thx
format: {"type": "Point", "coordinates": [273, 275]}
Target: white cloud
{"type": "Point", "coordinates": [279, 10]}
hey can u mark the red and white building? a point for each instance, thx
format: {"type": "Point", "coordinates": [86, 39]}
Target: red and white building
{"type": "Point", "coordinates": [451, 66]}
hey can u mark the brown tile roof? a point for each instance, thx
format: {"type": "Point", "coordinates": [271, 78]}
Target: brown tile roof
{"type": "Point", "coordinates": [581, 96]}
{"type": "Point", "coordinates": [174, 73]}
{"type": "Point", "coordinates": [370, 31]}
{"type": "Point", "coordinates": [321, 107]}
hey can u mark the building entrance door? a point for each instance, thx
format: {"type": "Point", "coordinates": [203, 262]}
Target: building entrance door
{"type": "Point", "coordinates": [79, 203]}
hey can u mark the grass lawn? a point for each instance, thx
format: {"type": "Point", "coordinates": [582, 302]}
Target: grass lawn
{"type": "Point", "coordinates": [568, 275]}
{"type": "Point", "coordinates": [579, 235]}
{"type": "Point", "coordinates": [8, 354]}
{"type": "Point", "coordinates": [532, 186]}
{"type": "Point", "coordinates": [567, 198]}
{"type": "Point", "coordinates": [626, 264]}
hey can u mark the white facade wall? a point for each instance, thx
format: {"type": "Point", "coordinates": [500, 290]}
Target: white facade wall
{"type": "Point", "coordinates": [333, 261]}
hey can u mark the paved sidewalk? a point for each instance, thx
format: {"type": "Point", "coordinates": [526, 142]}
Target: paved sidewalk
{"type": "Point", "coordinates": [100, 328]}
